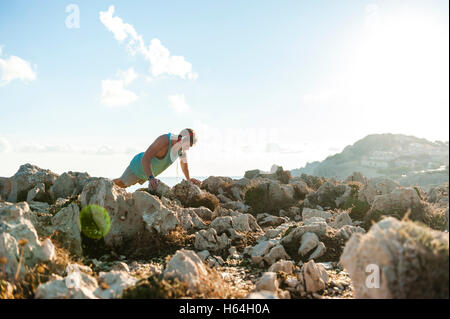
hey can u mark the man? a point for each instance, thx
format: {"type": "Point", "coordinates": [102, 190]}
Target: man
{"type": "Point", "coordinates": [160, 155]}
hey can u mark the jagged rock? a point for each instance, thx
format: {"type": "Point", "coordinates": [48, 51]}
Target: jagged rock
{"type": "Point", "coordinates": [162, 190]}
{"type": "Point", "coordinates": [190, 195]}
{"type": "Point", "coordinates": [275, 232]}
{"type": "Point", "coordinates": [69, 184]}
{"type": "Point", "coordinates": [67, 224]}
{"type": "Point", "coordinates": [204, 254]}
{"type": "Point", "coordinates": [16, 210]}
{"type": "Point", "coordinates": [223, 199]}
{"type": "Point", "coordinates": [301, 188]}
{"type": "Point", "coordinates": [49, 250]}
{"type": "Point", "coordinates": [253, 224]}
{"type": "Point", "coordinates": [113, 283]}
{"type": "Point", "coordinates": [270, 196]}
{"type": "Point", "coordinates": [27, 177]}
{"type": "Point", "coordinates": [292, 212]}
{"type": "Point", "coordinates": [221, 224]}
{"type": "Point", "coordinates": [202, 212]}
{"type": "Point", "coordinates": [189, 219]}
{"type": "Point", "coordinates": [120, 266]}
{"type": "Point", "coordinates": [215, 261]}
{"type": "Point", "coordinates": [260, 250]}
{"type": "Point", "coordinates": [37, 193]}
{"type": "Point", "coordinates": [209, 240]}
{"type": "Point", "coordinates": [16, 228]}
{"type": "Point", "coordinates": [314, 220]}
{"type": "Point", "coordinates": [276, 253]}
{"type": "Point", "coordinates": [439, 194]}
{"type": "Point", "coordinates": [291, 282]}
{"type": "Point", "coordinates": [291, 241]}
{"type": "Point", "coordinates": [309, 213]}
{"type": "Point", "coordinates": [376, 186]}
{"type": "Point", "coordinates": [233, 253]}
{"type": "Point", "coordinates": [345, 232]}
{"type": "Point", "coordinates": [316, 277]}
{"type": "Point", "coordinates": [187, 266]}
{"type": "Point", "coordinates": [253, 173]}
{"type": "Point", "coordinates": [308, 243]}
{"type": "Point", "coordinates": [319, 251]}
{"type": "Point", "coordinates": [237, 206]}
{"type": "Point", "coordinates": [39, 207]}
{"type": "Point", "coordinates": [241, 223]}
{"type": "Point", "coordinates": [236, 191]}
{"type": "Point", "coordinates": [78, 268]}
{"type": "Point", "coordinates": [215, 184]}
{"type": "Point", "coordinates": [328, 193]}
{"type": "Point", "coordinates": [409, 260]}
{"type": "Point", "coordinates": [235, 224]}
{"type": "Point", "coordinates": [186, 191]}
{"type": "Point", "coordinates": [263, 294]}
{"type": "Point", "coordinates": [5, 188]}
{"type": "Point", "coordinates": [268, 282]}
{"type": "Point", "coordinates": [341, 220]}
{"type": "Point", "coordinates": [265, 220]}
{"type": "Point", "coordinates": [162, 220]}
{"type": "Point", "coordinates": [285, 266]}
{"type": "Point", "coordinates": [76, 285]}
{"type": "Point", "coordinates": [397, 203]}
{"type": "Point", "coordinates": [135, 217]}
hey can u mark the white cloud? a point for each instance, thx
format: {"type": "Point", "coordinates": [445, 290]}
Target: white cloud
{"type": "Point", "coordinates": [178, 103]}
{"type": "Point", "coordinates": [114, 92]}
{"type": "Point", "coordinates": [161, 62]}
{"type": "Point", "coordinates": [116, 25]}
{"type": "Point", "coordinates": [45, 148]}
{"type": "Point", "coordinates": [128, 76]}
{"type": "Point", "coordinates": [38, 148]}
{"type": "Point", "coordinates": [15, 68]}
{"type": "Point", "coordinates": [5, 147]}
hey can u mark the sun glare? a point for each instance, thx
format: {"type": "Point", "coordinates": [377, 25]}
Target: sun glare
{"type": "Point", "coordinates": [403, 57]}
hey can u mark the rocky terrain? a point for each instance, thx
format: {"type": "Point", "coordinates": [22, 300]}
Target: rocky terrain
{"type": "Point", "coordinates": [406, 159]}
{"type": "Point", "coordinates": [262, 236]}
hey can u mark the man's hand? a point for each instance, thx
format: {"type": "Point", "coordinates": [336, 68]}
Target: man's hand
{"type": "Point", "coordinates": [195, 181]}
{"type": "Point", "coordinates": [153, 183]}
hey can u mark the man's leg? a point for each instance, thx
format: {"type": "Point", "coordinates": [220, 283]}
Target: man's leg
{"type": "Point", "coordinates": [119, 183]}
{"type": "Point", "coordinates": [127, 179]}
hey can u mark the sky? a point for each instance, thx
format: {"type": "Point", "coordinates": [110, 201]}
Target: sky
{"type": "Point", "coordinates": [86, 85]}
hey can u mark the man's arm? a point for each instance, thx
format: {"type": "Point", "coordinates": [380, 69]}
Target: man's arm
{"type": "Point", "coordinates": [157, 145]}
{"type": "Point", "coordinates": [185, 169]}
{"type": "Point", "coordinates": [184, 166]}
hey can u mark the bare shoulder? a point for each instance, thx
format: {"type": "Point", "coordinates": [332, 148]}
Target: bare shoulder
{"type": "Point", "coordinates": [159, 144]}
{"type": "Point", "coordinates": [162, 140]}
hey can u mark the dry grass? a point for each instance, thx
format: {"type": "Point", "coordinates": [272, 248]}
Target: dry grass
{"type": "Point", "coordinates": [25, 285]}
{"type": "Point", "coordinates": [156, 287]}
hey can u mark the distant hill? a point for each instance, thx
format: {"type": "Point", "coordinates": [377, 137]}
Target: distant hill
{"type": "Point", "coordinates": [407, 159]}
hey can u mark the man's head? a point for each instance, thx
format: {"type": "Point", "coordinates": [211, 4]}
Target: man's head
{"type": "Point", "coordinates": [187, 137]}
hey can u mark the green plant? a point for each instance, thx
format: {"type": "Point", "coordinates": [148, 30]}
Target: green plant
{"type": "Point", "coordinates": [155, 287]}
{"type": "Point", "coordinates": [358, 209]}
{"type": "Point", "coordinates": [94, 221]}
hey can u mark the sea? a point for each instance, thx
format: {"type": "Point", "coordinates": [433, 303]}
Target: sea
{"type": "Point", "coordinates": [171, 181]}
